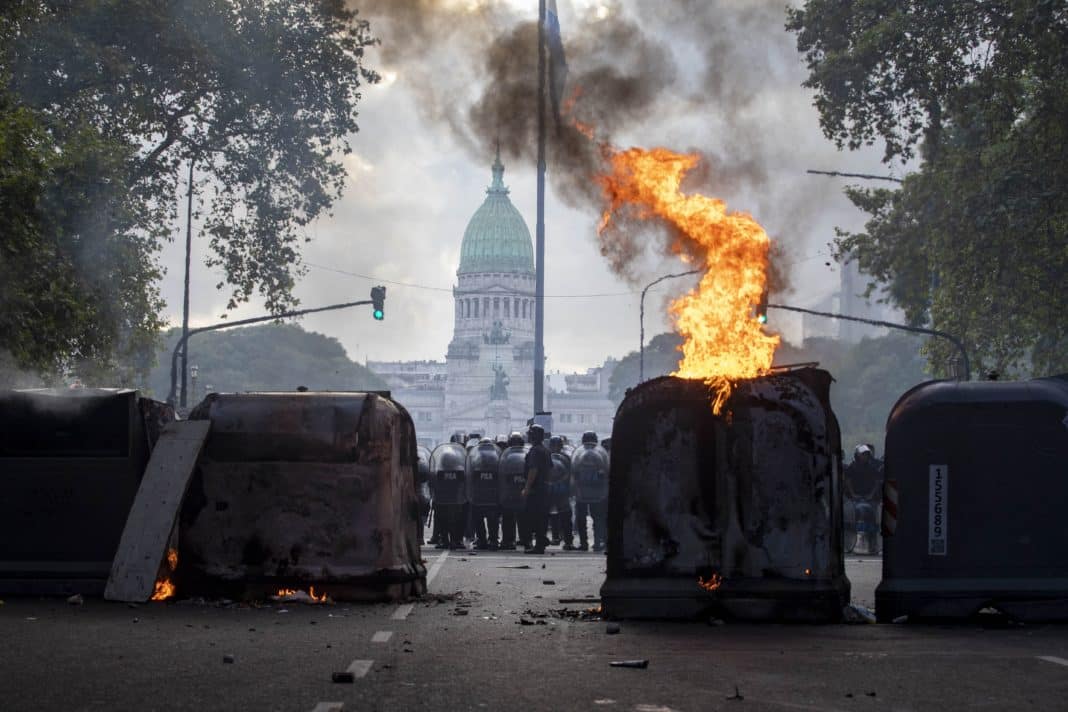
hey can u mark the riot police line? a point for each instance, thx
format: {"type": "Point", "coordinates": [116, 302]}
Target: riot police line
{"type": "Point", "coordinates": [473, 493]}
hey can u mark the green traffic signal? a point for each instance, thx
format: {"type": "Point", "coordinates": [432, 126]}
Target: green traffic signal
{"type": "Point", "coordinates": [378, 306]}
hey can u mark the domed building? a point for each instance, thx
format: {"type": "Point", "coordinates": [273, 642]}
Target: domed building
{"type": "Point", "coordinates": [490, 360]}
{"type": "Point", "coordinates": [486, 384]}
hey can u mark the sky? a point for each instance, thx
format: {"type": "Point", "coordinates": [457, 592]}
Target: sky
{"type": "Point", "coordinates": [720, 77]}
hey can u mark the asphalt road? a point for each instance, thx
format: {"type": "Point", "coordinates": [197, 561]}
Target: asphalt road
{"type": "Point", "coordinates": [464, 647]}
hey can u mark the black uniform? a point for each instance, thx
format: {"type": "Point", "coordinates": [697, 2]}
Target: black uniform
{"type": "Point", "coordinates": [537, 504]}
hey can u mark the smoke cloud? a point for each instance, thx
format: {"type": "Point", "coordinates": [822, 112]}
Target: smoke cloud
{"type": "Point", "coordinates": [695, 75]}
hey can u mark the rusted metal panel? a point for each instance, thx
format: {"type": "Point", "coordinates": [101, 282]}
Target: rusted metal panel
{"type": "Point", "coordinates": [747, 502]}
{"type": "Point", "coordinates": [304, 488]}
{"type": "Point", "coordinates": [976, 492]}
{"type": "Point", "coordinates": [71, 461]}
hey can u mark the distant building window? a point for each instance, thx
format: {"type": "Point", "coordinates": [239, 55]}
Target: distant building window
{"type": "Point", "coordinates": [476, 308]}
{"type": "Point", "coordinates": [496, 306]}
{"type": "Point", "coordinates": [507, 309]}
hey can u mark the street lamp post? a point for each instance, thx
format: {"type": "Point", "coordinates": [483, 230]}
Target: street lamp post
{"type": "Point", "coordinates": [641, 318]}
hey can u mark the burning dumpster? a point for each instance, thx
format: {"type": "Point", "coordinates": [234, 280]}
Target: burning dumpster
{"type": "Point", "coordinates": [735, 514]}
{"type": "Point", "coordinates": [974, 501]}
{"type": "Point", "coordinates": [71, 463]}
{"type": "Point", "coordinates": [299, 489]}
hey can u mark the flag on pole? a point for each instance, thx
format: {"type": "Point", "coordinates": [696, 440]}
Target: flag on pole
{"type": "Point", "coordinates": [557, 63]}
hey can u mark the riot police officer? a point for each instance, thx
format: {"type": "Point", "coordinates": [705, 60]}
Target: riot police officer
{"type": "Point", "coordinates": [512, 481]}
{"type": "Point", "coordinates": [483, 492]}
{"type": "Point", "coordinates": [560, 495]}
{"type": "Point", "coordinates": [589, 467]}
{"type": "Point", "coordinates": [448, 467]}
{"type": "Point", "coordinates": [539, 466]}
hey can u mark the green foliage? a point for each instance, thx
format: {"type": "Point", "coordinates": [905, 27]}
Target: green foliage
{"type": "Point", "coordinates": [976, 242]}
{"type": "Point", "coordinates": [272, 357]}
{"type": "Point", "coordinates": [105, 101]}
{"type": "Point", "coordinates": [661, 358]}
{"type": "Point", "coordinates": [869, 376]}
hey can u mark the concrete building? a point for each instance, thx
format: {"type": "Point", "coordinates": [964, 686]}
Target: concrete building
{"type": "Point", "coordinates": [486, 382]}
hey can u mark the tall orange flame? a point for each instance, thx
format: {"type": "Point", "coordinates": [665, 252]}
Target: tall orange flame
{"type": "Point", "coordinates": [723, 341]}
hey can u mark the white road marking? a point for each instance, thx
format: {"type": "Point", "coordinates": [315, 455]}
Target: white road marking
{"type": "Point", "coordinates": [382, 636]}
{"type": "Point", "coordinates": [359, 668]}
{"type": "Point", "coordinates": [1054, 659]}
{"type": "Point", "coordinates": [329, 707]}
{"type": "Point", "coordinates": [402, 611]}
{"type": "Point", "coordinates": [436, 567]}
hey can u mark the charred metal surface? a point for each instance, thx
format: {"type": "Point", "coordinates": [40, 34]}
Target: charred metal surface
{"type": "Point", "coordinates": [748, 500]}
{"type": "Point", "coordinates": [70, 465]}
{"type": "Point", "coordinates": [976, 485]}
{"type": "Point", "coordinates": [304, 488]}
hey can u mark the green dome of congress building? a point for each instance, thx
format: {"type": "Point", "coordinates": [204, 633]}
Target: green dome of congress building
{"type": "Point", "coordinates": [497, 238]}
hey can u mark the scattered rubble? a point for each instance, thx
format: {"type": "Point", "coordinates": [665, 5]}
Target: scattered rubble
{"type": "Point", "coordinates": [549, 582]}
{"type": "Point", "coordinates": [76, 600]}
{"type": "Point", "coordinates": [612, 629]}
{"type": "Point", "coordinates": [737, 695]}
{"type": "Point", "coordinates": [640, 664]}
{"type": "Point", "coordinates": [228, 659]}
{"type": "Point", "coordinates": [857, 614]}
{"type": "Point", "coordinates": [343, 677]}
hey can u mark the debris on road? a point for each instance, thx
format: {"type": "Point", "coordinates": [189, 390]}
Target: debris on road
{"type": "Point", "coordinates": [855, 613]}
{"type": "Point", "coordinates": [525, 621]}
{"type": "Point", "coordinates": [549, 582]}
{"type": "Point", "coordinates": [716, 621]}
{"type": "Point", "coordinates": [518, 566]}
{"type": "Point", "coordinates": [343, 677]}
{"type": "Point", "coordinates": [76, 600]}
{"type": "Point", "coordinates": [612, 629]}
{"type": "Point", "coordinates": [640, 664]}
{"type": "Point", "coordinates": [580, 600]}
{"type": "Point", "coordinates": [229, 659]}
{"type": "Point", "coordinates": [901, 619]}
{"type": "Point", "coordinates": [737, 695]}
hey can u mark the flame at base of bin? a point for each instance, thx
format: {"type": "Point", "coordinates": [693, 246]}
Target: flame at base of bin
{"type": "Point", "coordinates": [723, 341]}
{"type": "Point", "coordinates": [164, 586]}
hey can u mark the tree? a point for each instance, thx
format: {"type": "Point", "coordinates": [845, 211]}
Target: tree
{"type": "Point", "coordinates": [974, 242]}
{"type": "Point", "coordinates": [662, 357]}
{"type": "Point", "coordinates": [260, 95]}
{"type": "Point", "coordinates": [272, 357]}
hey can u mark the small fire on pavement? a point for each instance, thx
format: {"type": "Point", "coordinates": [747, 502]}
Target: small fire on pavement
{"type": "Point", "coordinates": [713, 582]}
{"type": "Point", "coordinates": [297, 596]}
{"type": "Point", "coordinates": [164, 585]}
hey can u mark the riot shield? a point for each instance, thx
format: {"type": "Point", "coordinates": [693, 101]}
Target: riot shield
{"type": "Point", "coordinates": [448, 464]}
{"type": "Point", "coordinates": [589, 467]}
{"type": "Point", "coordinates": [423, 482]}
{"type": "Point", "coordinates": [482, 475]}
{"type": "Point", "coordinates": [560, 476]}
{"type": "Point", "coordinates": [513, 478]}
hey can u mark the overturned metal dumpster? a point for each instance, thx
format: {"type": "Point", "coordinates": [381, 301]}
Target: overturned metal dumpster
{"type": "Point", "coordinates": [303, 489]}
{"type": "Point", "coordinates": [975, 497]}
{"type": "Point", "coordinates": [71, 461]}
{"type": "Point", "coordinates": [736, 514]}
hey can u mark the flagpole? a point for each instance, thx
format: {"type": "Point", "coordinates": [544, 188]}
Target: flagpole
{"type": "Point", "coordinates": [539, 263]}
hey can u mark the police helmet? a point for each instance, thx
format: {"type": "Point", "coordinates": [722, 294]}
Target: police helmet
{"type": "Point", "coordinates": [589, 437]}
{"type": "Point", "coordinates": [556, 443]}
{"type": "Point", "coordinates": [536, 433]}
{"type": "Point", "coordinates": [516, 439]}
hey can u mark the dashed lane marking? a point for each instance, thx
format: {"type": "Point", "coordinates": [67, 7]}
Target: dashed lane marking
{"type": "Point", "coordinates": [1054, 659]}
{"type": "Point", "coordinates": [402, 611]}
{"type": "Point", "coordinates": [329, 707]}
{"type": "Point", "coordinates": [436, 567]}
{"type": "Point", "coordinates": [359, 668]}
{"type": "Point", "coordinates": [382, 636]}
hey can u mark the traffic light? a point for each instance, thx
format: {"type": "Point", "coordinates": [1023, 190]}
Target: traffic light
{"type": "Point", "coordinates": [762, 307]}
{"type": "Point", "coordinates": [378, 301]}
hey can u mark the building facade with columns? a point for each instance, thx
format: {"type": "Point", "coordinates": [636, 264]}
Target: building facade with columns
{"type": "Point", "coordinates": [486, 383]}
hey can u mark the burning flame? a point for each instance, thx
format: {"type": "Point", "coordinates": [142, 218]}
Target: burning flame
{"type": "Point", "coordinates": [723, 341]}
{"type": "Point", "coordinates": [164, 586]}
{"type": "Point", "coordinates": [713, 582]}
{"type": "Point", "coordinates": [287, 592]}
